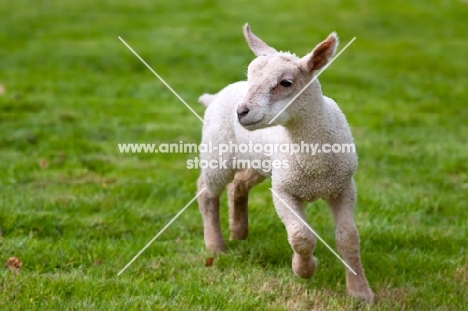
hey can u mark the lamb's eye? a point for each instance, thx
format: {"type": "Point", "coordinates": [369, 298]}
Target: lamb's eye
{"type": "Point", "coordinates": [286, 83]}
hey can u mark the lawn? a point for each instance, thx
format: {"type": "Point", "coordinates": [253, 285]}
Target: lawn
{"type": "Point", "coordinates": [75, 211]}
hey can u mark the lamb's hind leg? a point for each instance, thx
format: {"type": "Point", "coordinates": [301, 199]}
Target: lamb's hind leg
{"type": "Point", "coordinates": [300, 238]}
{"type": "Point", "coordinates": [238, 197]}
{"type": "Point", "coordinates": [347, 242]}
{"type": "Point", "coordinates": [208, 203]}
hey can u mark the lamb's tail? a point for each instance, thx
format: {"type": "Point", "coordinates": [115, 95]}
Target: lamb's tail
{"type": "Point", "coordinates": [206, 99]}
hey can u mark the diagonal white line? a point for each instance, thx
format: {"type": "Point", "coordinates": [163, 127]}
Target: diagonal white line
{"type": "Point", "coordinates": [162, 230]}
{"type": "Point", "coordinates": [162, 80]}
{"type": "Point", "coordinates": [314, 78]}
{"type": "Point", "coordinates": [315, 233]}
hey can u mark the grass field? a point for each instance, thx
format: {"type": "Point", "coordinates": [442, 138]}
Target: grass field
{"type": "Point", "coordinates": [74, 210]}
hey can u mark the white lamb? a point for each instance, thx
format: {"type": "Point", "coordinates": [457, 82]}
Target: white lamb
{"type": "Point", "coordinates": [240, 113]}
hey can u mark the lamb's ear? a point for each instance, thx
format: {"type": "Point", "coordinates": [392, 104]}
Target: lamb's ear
{"type": "Point", "coordinates": [259, 47]}
{"type": "Point", "coordinates": [321, 54]}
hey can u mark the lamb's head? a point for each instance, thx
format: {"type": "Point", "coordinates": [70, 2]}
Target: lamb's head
{"type": "Point", "coordinates": [275, 78]}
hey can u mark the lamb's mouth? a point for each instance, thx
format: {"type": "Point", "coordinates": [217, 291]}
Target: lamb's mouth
{"type": "Point", "coordinates": [251, 123]}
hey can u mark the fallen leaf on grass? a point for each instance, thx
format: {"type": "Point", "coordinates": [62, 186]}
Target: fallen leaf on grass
{"type": "Point", "coordinates": [209, 261]}
{"type": "Point", "coordinates": [178, 240]}
{"type": "Point", "coordinates": [97, 262]}
{"type": "Point", "coordinates": [2, 89]}
{"type": "Point", "coordinates": [14, 264]}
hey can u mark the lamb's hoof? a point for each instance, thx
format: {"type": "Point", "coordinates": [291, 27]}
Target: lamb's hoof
{"type": "Point", "coordinates": [239, 234]}
{"type": "Point", "coordinates": [365, 294]}
{"type": "Point", "coordinates": [216, 247]}
{"type": "Point", "coordinates": [303, 267]}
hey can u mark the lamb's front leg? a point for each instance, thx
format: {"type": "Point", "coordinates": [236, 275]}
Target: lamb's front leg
{"type": "Point", "coordinates": [347, 242]}
{"type": "Point", "coordinates": [300, 238]}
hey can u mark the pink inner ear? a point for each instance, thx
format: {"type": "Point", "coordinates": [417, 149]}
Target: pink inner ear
{"type": "Point", "coordinates": [321, 55]}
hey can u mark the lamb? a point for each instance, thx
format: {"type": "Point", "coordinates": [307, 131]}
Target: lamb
{"type": "Point", "coordinates": [241, 113]}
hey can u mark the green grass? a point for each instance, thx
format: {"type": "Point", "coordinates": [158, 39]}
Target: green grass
{"type": "Point", "coordinates": [75, 211]}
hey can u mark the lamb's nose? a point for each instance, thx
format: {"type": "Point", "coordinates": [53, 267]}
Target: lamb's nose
{"type": "Point", "coordinates": [242, 112]}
